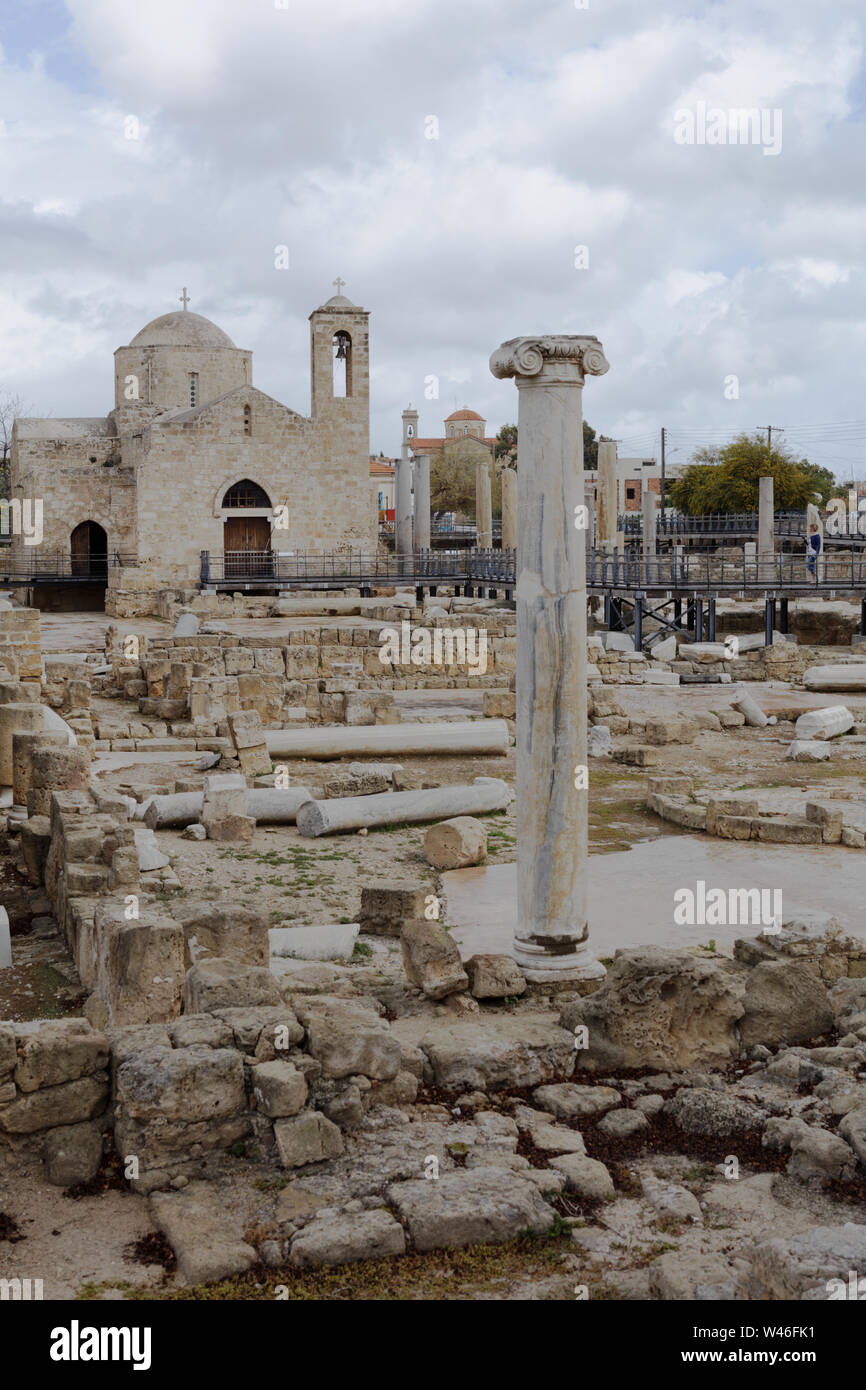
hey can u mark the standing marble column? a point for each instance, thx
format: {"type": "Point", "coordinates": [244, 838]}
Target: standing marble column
{"type": "Point", "coordinates": [648, 504]}
{"type": "Point", "coordinates": [422, 501]}
{"type": "Point", "coordinates": [766, 540]}
{"type": "Point", "coordinates": [607, 499]}
{"type": "Point", "coordinates": [552, 814]}
{"type": "Point", "coordinates": [403, 516]}
{"type": "Point", "coordinates": [483, 506]}
{"type": "Point", "coordinates": [508, 477]}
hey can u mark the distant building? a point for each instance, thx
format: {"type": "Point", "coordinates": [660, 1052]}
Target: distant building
{"type": "Point", "coordinates": [632, 476]}
{"type": "Point", "coordinates": [464, 426]}
{"type": "Point", "coordinates": [193, 457]}
{"type": "Point", "coordinates": [382, 479]}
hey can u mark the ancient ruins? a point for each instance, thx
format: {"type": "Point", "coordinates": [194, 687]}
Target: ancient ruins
{"type": "Point", "coordinates": [515, 912]}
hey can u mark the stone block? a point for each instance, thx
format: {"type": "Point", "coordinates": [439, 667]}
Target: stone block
{"type": "Point", "coordinates": [221, 984]}
{"type": "Point", "coordinates": [307, 1138]}
{"type": "Point", "coordinates": [388, 905]}
{"type": "Point", "coordinates": [55, 1051]}
{"type": "Point", "coordinates": [279, 1089]}
{"type": "Point", "coordinates": [494, 977]}
{"type": "Point", "coordinates": [431, 959]}
{"type": "Point", "coordinates": [72, 1154]}
{"type": "Point", "coordinates": [829, 818]}
{"type": "Point", "coordinates": [786, 830]}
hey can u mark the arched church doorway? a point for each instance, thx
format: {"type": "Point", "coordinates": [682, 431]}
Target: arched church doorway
{"type": "Point", "coordinates": [247, 539]}
{"type": "Point", "coordinates": [89, 548]}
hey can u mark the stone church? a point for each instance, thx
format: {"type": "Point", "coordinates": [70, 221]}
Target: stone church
{"type": "Point", "coordinates": [193, 457]}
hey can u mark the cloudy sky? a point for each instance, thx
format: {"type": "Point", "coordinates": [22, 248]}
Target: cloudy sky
{"type": "Point", "coordinates": [306, 123]}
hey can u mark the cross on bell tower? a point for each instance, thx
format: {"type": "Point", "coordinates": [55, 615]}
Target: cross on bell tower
{"type": "Point", "coordinates": [339, 283]}
{"type": "Point", "coordinates": [184, 298]}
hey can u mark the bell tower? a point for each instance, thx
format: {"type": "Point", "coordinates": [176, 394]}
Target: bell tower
{"type": "Point", "coordinates": [410, 431]}
{"type": "Point", "coordinates": [340, 364]}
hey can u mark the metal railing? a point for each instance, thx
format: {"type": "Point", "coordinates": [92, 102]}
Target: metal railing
{"type": "Point", "coordinates": [34, 566]}
{"type": "Point", "coordinates": [703, 570]}
{"type": "Point", "coordinates": [713, 524]}
{"type": "Point", "coordinates": [347, 569]}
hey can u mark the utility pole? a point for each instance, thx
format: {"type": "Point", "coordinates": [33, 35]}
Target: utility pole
{"type": "Point", "coordinates": [780, 429]}
{"type": "Point", "coordinates": [662, 480]}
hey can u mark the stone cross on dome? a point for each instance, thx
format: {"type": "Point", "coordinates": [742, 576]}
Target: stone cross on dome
{"type": "Point", "coordinates": [184, 298]}
{"type": "Point", "coordinates": [339, 283]}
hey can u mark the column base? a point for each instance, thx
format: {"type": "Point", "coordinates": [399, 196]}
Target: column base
{"type": "Point", "coordinates": [566, 972]}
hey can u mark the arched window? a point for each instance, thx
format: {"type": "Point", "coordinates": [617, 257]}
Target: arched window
{"type": "Point", "coordinates": [342, 363]}
{"type": "Point", "coordinates": [248, 420]}
{"type": "Point", "coordinates": [465, 429]}
{"type": "Point", "coordinates": [246, 494]}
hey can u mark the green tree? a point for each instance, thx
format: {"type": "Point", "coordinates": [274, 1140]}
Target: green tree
{"type": "Point", "coordinates": [590, 446]}
{"type": "Point", "coordinates": [506, 444]}
{"type": "Point", "coordinates": [452, 479]}
{"type": "Point", "coordinates": [725, 479]}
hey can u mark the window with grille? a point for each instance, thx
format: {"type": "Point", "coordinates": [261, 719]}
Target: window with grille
{"type": "Point", "coordinates": [248, 420]}
{"type": "Point", "coordinates": [246, 494]}
{"type": "Point", "coordinates": [193, 388]}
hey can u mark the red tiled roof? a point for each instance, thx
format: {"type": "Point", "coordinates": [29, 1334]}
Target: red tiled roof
{"type": "Point", "coordinates": [464, 414]}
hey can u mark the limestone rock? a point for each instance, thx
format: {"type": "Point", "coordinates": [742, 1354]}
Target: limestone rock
{"type": "Point", "coordinates": [56, 1105]}
{"type": "Point", "coordinates": [853, 1130]}
{"type": "Point", "coordinates": [479, 1054]}
{"type": "Point", "coordinates": [815, 1152]}
{"type": "Point", "coordinates": [279, 1089]}
{"type": "Point", "coordinates": [623, 1124]}
{"type": "Point", "coordinates": [352, 1043]}
{"type": "Point", "coordinates": [49, 1053]}
{"type": "Point", "coordinates": [671, 1201]}
{"type": "Point", "coordinates": [558, 1139]}
{"type": "Point", "coordinates": [784, 1002]}
{"type": "Point", "coordinates": [231, 930]}
{"type": "Point", "coordinates": [494, 977]}
{"type": "Point", "coordinates": [207, 1244]}
{"type": "Point", "coordinates": [585, 1176]}
{"type": "Point", "coordinates": [569, 1101]}
{"type": "Point", "coordinates": [187, 625]}
{"type": "Point", "coordinates": [808, 1264]}
{"type": "Point", "coordinates": [188, 1084]}
{"type": "Point", "coordinates": [470, 1206]}
{"type": "Point", "coordinates": [663, 1009]}
{"type": "Point", "coordinates": [219, 984]}
{"type": "Point", "coordinates": [699, 1110]}
{"type": "Point", "coordinates": [431, 959]}
{"type": "Point", "coordinates": [307, 1138]}
{"type": "Point", "coordinates": [456, 843]}
{"type": "Point", "coordinates": [73, 1153]}
{"type": "Point", "coordinates": [385, 907]}
{"type": "Point", "coordinates": [690, 1275]}
{"type": "Point", "coordinates": [341, 1239]}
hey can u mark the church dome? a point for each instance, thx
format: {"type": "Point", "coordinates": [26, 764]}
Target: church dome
{"type": "Point", "coordinates": [464, 414]}
{"type": "Point", "coordinates": [182, 329]}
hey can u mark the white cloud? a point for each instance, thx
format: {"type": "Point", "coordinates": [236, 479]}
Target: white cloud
{"type": "Point", "coordinates": [259, 126]}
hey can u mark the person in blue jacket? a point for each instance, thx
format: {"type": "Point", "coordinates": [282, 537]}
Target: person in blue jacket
{"type": "Point", "coordinates": [814, 548]}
